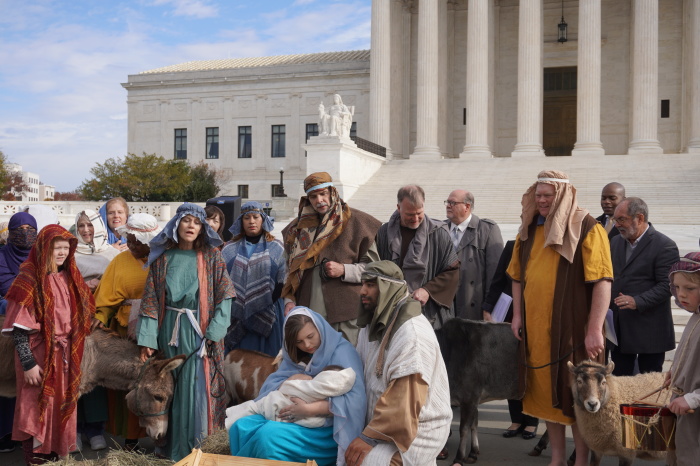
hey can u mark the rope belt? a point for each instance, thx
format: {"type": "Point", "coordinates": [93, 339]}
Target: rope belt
{"type": "Point", "coordinates": [175, 338]}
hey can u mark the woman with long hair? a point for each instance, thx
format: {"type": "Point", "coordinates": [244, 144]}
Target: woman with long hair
{"type": "Point", "coordinates": [255, 260]}
{"type": "Point", "coordinates": [310, 345]}
{"type": "Point", "coordinates": [186, 309]}
{"type": "Point", "coordinates": [49, 313]}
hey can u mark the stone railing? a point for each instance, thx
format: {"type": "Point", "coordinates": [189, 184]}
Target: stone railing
{"type": "Point", "coordinates": [67, 210]}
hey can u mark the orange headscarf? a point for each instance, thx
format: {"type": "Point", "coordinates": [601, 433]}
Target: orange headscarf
{"type": "Point", "coordinates": [562, 228]}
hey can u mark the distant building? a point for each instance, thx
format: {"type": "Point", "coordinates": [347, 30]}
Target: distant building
{"type": "Point", "coordinates": [46, 192]}
{"type": "Point", "coordinates": [32, 191]}
{"type": "Point", "coordinates": [247, 116]}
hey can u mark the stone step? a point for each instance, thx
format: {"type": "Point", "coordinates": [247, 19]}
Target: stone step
{"type": "Point", "coordinates": [498, 183]}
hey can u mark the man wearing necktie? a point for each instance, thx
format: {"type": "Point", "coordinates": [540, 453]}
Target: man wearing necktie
{"type": "Point", "coordinates": [478, 244]}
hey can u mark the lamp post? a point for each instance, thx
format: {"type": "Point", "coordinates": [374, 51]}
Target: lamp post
{"type": "Point", "coordinates": [281, 193]}
{"type": "Point", "coordinates": [562, 26]}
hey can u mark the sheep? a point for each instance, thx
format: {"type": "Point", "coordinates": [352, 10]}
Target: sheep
{"type": "Point", "coordinates": [597, 399]}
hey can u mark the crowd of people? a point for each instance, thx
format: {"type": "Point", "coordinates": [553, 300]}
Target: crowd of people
{"type": "Point", "coordinates": [350, 306]}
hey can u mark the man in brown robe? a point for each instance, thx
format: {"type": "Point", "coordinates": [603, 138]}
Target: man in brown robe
{"type": "Point", "coordinates": [561, 271]}
{"type": "Point", "coordinates": [327, 247]}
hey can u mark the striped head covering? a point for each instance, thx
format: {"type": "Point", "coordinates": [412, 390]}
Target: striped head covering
{"type": "Point", "coordinates": [312, 232]}
{"type": "Point", "coordinates": [690, 263]}
{"type": "Point", "coordinates": [160, 243]}
{"type": "Point", "coordinates": [252, 207]}
{"type": "Point", "coordinates": [32, 290]}
{"type": "Point", "coordinates": [99, 238]}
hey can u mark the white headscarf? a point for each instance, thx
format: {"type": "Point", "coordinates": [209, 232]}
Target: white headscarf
{"type": "Point", "coordinates": [99, 239]}
{"type": "Point", "coordinates": [143, 226]}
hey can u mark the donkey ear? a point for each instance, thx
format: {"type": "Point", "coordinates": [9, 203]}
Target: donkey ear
{"type": "Point", "coordinates": [172, 363]}
{"type": "Point", "coordinates": [572, 368]}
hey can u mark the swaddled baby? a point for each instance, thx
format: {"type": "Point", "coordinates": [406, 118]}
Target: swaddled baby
{"type": "Point", "coordinates": [331, 381]}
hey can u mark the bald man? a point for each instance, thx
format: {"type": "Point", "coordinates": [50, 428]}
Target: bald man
{"type": "Point", "coordinates": [478, 243]}
{"type": "Point", "coordinates": [612, 194]}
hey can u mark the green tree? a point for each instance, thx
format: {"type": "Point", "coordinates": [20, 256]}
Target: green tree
{"type": "Point", "coordinates": [4, 175]}
{"type": "Point", "coordinates": [203, 185]}
{"type": "Point", "coordinates": [145, 178]}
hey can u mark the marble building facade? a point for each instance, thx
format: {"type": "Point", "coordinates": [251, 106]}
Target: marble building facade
{"type": "Point", "coordinates": [450, 79]}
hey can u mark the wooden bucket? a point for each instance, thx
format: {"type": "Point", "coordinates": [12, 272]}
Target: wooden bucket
{"type": "Point", "coordinates": [638, 433]}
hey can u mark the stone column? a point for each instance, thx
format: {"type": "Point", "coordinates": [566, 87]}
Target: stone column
{"type": "Point", "coordinates": [529, 140]}
{"type": "Point", "coordinates": [380, 75]}
{"type": "Point", "coordinates": [645, 78]}
{"type": "Point", "coordinates": [476, 143]}
{"type": "Point", "coordinates": [588, 93]}
{"type": "Point", "coordinates": [693, 80]}
{"type": "Point", "coordinates": [427, 82]}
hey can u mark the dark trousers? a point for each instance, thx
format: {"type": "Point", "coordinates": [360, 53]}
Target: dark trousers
{"type": "Point", "coordinates": [648, 362]}
{"type": "Point", "coordinates": [515, 407]}
{"type": "Point", "coordinates": [32, 458]}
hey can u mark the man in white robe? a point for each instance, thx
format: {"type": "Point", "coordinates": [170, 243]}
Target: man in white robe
{"type": "Point", "coordinates": [408, 396]}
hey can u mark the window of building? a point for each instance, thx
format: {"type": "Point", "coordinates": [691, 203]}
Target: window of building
{"type": "Point", "coordinates": [245, 142]}
{"type": "Point", "coordinates": [243, 191]}
{"type": "Point", "coordinates": [311, 130]}
{"type": "Point", "coordinates": [353, 130]}
{"type": "Point", "coordinates": [212, 149]}
{"type": "Point", "coordinates": [276, 190]}
{"type": "Point", "coordinates": [278, 140]}
{"type": "Point", "coordinates": [181, 144]}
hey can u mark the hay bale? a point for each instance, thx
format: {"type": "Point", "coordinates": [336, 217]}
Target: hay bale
{"type": "Point", "coordinates": [120, 457]}
{"type": "Point", "coordinates": [217, 443]}
{"type": "Point", "coordinates": [116, 457]}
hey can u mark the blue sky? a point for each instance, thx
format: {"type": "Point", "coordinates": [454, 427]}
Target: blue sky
{"type": "Point", "coordinates": [62, 108]}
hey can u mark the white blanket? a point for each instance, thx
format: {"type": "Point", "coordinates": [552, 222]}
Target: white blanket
{"type": "Point", "coordinates": [325, 385]}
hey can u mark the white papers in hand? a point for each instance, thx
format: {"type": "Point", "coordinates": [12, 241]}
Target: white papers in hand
{"type": "Point", "coordinates": [500, 310]}
{"type": "Point", "coordinates": [610, 328]}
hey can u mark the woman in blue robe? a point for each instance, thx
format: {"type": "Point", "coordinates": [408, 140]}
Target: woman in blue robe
{"type": "Point", "coordinates": [310, 344]}
{"type": "Point", "coordinates": [255, 261]}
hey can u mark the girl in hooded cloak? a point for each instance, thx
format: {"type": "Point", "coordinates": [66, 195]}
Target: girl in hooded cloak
{"type": "Point", "coordinates": [49, 314]}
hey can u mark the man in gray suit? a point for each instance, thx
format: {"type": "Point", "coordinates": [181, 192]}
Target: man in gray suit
{"type": "Point", "coordinates": [478, 244]}
{"type": "Point", "coordinates": [641, 298]}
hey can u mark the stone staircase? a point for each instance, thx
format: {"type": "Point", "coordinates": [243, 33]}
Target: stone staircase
{"type": "Point", "coordinates": [668, 183]}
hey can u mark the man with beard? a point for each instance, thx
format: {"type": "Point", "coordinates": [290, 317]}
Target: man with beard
{"type": "Point", "coordinates": [422, 248]}
{"type": "Point", "coordinates": [408, 397]}
{"type": "Point", "coordinates": [327, 247]}
{"type": "Point", "coordinates": [642, 258]}
{"type": "Point", "coordinates": [610, 197]}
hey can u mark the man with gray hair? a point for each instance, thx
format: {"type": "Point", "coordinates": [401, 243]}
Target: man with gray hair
{"type": "Point", "coordinates": [478, 244]}
{"type": "Point", "coordinates": [422, 248]}
{"type": "Point", "coordinates": [641, 297]}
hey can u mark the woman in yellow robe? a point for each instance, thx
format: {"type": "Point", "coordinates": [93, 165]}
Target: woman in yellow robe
{"type": "Point", "coordinates": [117, 298]}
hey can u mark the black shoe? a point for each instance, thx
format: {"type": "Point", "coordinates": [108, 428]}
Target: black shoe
{"type": "Point", "coordinates": [443, 454]}
{"type": "Point", "coordinates": [7, 444]}
{"type": "Point", "coordinates": [513, 432]}
{"type": "Point", "coordinates": [527, 435]}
